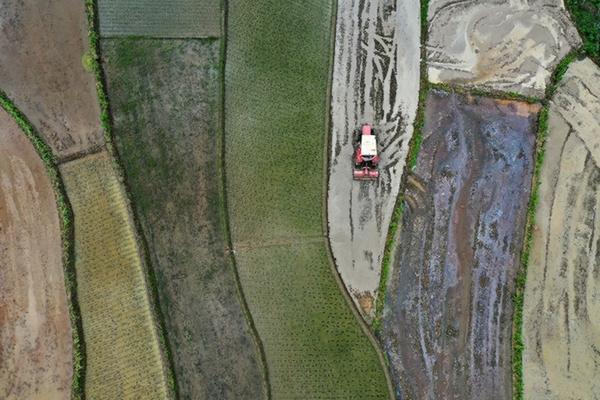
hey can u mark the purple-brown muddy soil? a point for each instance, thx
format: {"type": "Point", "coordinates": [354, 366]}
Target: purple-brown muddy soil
{"type": "Point", "coordinates": [447, 318]}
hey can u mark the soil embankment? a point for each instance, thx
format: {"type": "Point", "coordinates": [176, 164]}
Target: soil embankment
{"type": "Point", "coordinates": [496, 44]}
{"type": "Point", "coordinates": [561, 323]}
{"type": "Point", "coordinates": [42, 70]}
{"type": "Point", "coordinates": [375, 81]}
{"type": "Point", "coordinates": [35, 330]}
{"type": "Point", "coordinates": [447, 317]}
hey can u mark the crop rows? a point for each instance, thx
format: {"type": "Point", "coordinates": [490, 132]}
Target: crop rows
{"type": "Point", "coordinates": [155, 18]}
{"type": "Point", "coordinates": [123, 357]}
{"type": "Point", "coordinates": [275, 132]}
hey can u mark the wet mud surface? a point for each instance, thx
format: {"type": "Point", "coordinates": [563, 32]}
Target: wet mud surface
{"type": "Point", "coordinates": [447, 317]}
{"type": "Point", "coordinates": [376, 81]}
{"type": "Point", "coordinates": [496, 44]}
{"type": "Point", "coordinates": [42, 44]}
{"type": "Point", "coordinates": [561, 323]}
{"type": "Point", "coordinates": [35, 330]}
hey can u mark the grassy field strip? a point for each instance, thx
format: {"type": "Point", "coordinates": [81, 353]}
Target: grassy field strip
{"type": "Point", "coordinates": [159, 18]}
{"type": "Point", "coordinates": [123, 356]}
{"type": "Point", "coordinates": [276, 125]}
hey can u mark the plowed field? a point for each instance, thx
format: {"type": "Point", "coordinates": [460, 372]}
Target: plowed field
{"type": "Point", "coordinates": [447, 318]}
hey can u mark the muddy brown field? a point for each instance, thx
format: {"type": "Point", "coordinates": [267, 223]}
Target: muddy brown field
{"type": "Point", "coordinates": [42, 44]}
{"type": "Point", "coordinates": [561, 323]}
{"type": "Point", "coordinates": [35, 331]}
{"type": "Point", "coordinates": [447, 318]}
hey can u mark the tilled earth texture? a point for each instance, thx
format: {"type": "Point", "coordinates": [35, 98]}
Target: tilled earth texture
{"type": "Point", "coordinates": [160, 18]}
{"type": "Point", "coordinates": [164, 97]}
{"type": "Point", "coordinates": [35, 332]}
{"type": "Point", "coordinates": [497, 44]}
{"type": "Point", "coordinates": [42, 44]}
{"type": "Point", "coordinates": [376, 81]}
{"type": "Point", "coordinates": [447, 318]}
{"type": "Point", "coordinates": [562, 296]}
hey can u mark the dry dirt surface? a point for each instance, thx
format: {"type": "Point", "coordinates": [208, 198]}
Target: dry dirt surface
{"type": "Point", "coordinates": [35, 331]}
{"type": "Point", "coordinates": [447, 317]}
{"type": "Point", "coordinates": [496, 44]}
{"type": "Point", "coordinates": [376, 81]}
{"type": "Point", "coordinates": [41, 46]}
{"type": "Point", "coordinates": [562, 296]}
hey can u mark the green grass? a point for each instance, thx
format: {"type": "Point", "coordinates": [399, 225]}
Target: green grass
{"type": "Point", "coordinates": [278, 64]}
{"type": "Point", "coordinates": [66, 220]}
{"type": "Point", "coordinates": [521, 279]}
{"type": "Point", "coordinates": [586, 16]}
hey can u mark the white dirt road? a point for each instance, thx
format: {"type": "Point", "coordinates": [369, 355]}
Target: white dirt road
{"type": "Point", "coordinates": [376, 81]}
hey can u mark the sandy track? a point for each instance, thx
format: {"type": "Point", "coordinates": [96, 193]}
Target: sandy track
{"type": "Point", "coordinates": [375, 80]}
{"type": "Point", "coordinates": [447, 318]}
{"type": "Point", "coordinates": [41, 45]}
{"type": "Point", "coordinates": [35, 331]}
{"type": "Point", "coordinates": [562, 297]}
{"type": "Point", "coordinates": [496, 44]}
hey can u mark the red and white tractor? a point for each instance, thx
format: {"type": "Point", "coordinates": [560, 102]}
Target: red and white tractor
{"type": "Point", "coordinates": [365, 155]}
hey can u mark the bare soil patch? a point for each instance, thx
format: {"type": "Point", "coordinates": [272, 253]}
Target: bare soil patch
{"type": "Point", "coordinates": [35, 330]}
{"type": "Point", "coordinates": [41, 69]}
{"type": "Point", "coordinates": [500, 45]}
{"type": "Point", "coordinates": [447, 317]}
{"type": "Point", "coordinates": [376, 81]}
{"type": "Point", "coordinates": [561, 323]}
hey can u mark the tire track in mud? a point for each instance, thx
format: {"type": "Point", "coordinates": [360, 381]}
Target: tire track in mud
{"type": "Point", "coordinates": [375, 80]}
{"type": "Point", "coordinates": [447, 317]}
{"type": "Point", "coordinates": [561, 323]}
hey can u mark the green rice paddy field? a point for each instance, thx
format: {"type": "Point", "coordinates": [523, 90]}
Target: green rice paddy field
{"type": "Point", "coordinates": [275, 132]}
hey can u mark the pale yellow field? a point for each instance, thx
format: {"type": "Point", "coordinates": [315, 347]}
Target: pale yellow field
{"type": "Point", "coordinates": [123, 356]}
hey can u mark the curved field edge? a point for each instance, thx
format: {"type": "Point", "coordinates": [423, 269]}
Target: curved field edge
{"type": "Point", "coordinates": [521, 279]}
{"type": "Point", "coordinates": [585, 14]}
{"type": "Point", "coordinates": [92, 60]}
{"type": "Point", "coordinates": [67, 230]}
{"type": "Point", "coordinates": [224, 197]}
{"type": "Point", "coordinates": [411, 161]}
{"type": "Point", "coordinates": [259, 247]}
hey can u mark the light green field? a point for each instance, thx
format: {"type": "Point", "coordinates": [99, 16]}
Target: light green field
{"type": "Point", "coordinates": [123, 356]}
{"type": "Point", "coordinates": [275, 134]}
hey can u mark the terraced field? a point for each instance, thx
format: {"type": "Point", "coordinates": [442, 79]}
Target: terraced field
{"type": "Point", "coordinates": [561, 323]}
{"type": "Point", "coordinates": [501, 45]}
{"type": "Point", "coordinates": [123, 356]}
{"type": "Point", "coordinates": [376, 81]}
{"type": "Point", "coordinates": [159, 18]}
{"type": "Point", "coordinates": [165, 102]}
{"type": "Point", "coordinates": [275, 133]}
{"type": "Point", "coordinates": [41, 70]}
{"type": "Point", "coordinates": [447, 318]}
{"type": "Point", "coordinates": [35, 333]}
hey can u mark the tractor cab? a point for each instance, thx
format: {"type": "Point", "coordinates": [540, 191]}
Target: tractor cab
{"type": "Point", "coordinates": [365, 157]}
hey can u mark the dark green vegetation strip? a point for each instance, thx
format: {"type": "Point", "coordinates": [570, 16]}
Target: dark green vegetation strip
{"type": "Point", "coordinates": [586, 16]}
{"type": "Point", "coordinates": [276, 125]}
{"type": "Point", "coordinates": [496, 94]}
{"type": "Point", "coordinates": [92, 61]}
{"type": "Point", "coordinates": [165, 101]}
{"type": "Point", "coordinates": [66, 223]}
{"type": "Point", "coordinates": [519, 296]}
{"type": "Point", "coordinates": [411, 162]}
